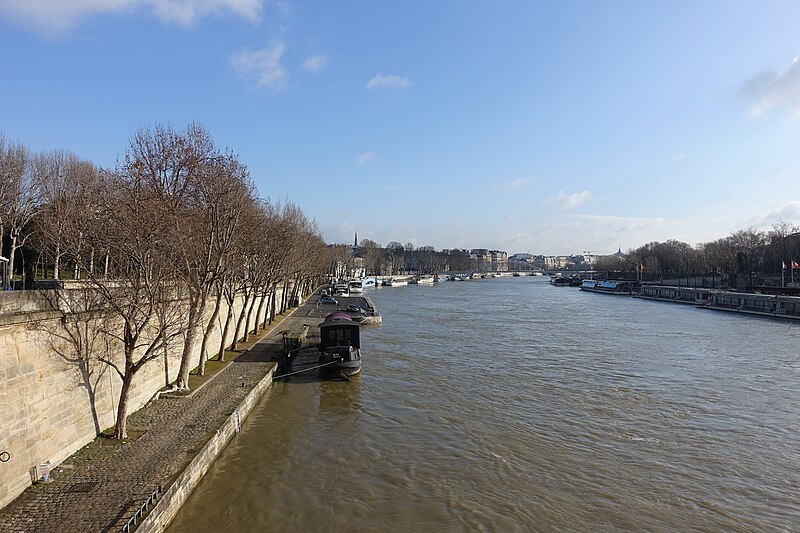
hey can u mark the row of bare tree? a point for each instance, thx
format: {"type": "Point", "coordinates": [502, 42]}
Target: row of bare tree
{"type": "Point", "coordinates": [175, 228]}
{"type": "Point", "coordinates": [747, 251]}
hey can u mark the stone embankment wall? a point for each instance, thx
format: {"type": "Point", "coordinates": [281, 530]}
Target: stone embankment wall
{"type": "Point", "coordinates": [49, 406]}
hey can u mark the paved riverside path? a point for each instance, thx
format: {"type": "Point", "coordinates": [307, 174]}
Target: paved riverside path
{"type": "Point", "coordinates": [100, 487]}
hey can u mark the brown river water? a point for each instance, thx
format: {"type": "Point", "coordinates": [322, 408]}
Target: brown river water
{"type": "Point", "coordinates": [512, 405]}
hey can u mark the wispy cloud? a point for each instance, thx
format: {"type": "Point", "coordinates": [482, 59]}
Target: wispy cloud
{"type": "Point", "coordinates": [774, 90]}
{"type": "Point", "coordinates": [396, 188]}
{"type": "Point", "coordinates": [513, 185]}
{"type": "Point", "coordinates": [627, 223]}
{"type": "Point", "coordinates": [315, 63]}
{"type": "Point", "coordinates": [365, 158]}
{"type": "Point", "coordinates": [263, 67]}
{"type": "Point", "coordinates": [678, 158]}
{"type": "Point", "coordinates": [568, 201]}
{"type": "Point", "coordinates": [61, 15]}
{"type": "Point", "coordinates": [390, 81]}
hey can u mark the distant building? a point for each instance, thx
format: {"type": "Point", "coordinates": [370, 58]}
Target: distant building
{"type": "Point", "coordinates": [489, 260]}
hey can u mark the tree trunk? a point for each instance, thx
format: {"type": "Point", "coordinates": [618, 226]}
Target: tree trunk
{"type": "Point", "coordinates": [283, 295]}
{"type": "Point", "coordinates": [257, 321]}
{"type": "Point", "coordinates": [246, 335]}
{"type": "Point", "coordinates": [228, 319]}
{"type": "Point", "coordinates": [11, 255]}
{"type": "Point", "coordinates": [201, 365]}
{"type": "Point", "coordinates": [274, 297]}
{"type": "Point", "coordinates": [121, 427]}
{"type": "Point", "coordinates": [197, 306]}
{"type": "Point", "coordinates": [57, 262]}
{"type": "Point", "coordinates": [240, 322]}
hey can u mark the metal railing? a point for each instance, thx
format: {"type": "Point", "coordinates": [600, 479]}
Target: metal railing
{"type": "Point", "coordinates": [142, 511]}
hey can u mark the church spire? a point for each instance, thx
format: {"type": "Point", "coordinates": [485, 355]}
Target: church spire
{"type": "Point", "coordinates": [355, 241]}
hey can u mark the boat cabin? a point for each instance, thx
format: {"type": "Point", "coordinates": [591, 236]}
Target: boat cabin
{"type": "Point", "coordinates": [339, 330]}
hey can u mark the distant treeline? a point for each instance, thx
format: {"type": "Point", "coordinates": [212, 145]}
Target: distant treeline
{"type": "Point", "coordinates": [748, 252]}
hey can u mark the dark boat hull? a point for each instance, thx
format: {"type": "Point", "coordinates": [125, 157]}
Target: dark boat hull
{"type": "Point", "coordinates": [341, 362]}
{"type": "Point", "coordinates": [340, 369]}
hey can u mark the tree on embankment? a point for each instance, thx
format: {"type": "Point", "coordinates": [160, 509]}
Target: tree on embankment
{"type": "Point", "coordinates": [151, 243]}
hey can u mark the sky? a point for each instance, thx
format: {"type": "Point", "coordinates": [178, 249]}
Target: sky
{"type": "Point", "coordinates": [526, 126]}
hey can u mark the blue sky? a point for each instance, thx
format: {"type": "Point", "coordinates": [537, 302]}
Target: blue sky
{"type": "Point", "coordinates": [546, 127]}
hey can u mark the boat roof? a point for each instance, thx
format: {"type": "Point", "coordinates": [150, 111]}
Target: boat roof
{"type": "Point", "coordinates": [338, 318]}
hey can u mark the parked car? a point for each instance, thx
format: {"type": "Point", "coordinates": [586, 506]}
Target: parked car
{"type": "Point", "coordinates": [328, 300]}
{"type": "Point", "coordinates": [354, 309]}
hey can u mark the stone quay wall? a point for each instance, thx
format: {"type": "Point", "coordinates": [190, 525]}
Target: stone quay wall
{"type": "Point", "coordinates": [171, 502]}
{"type": "Point", "coordinates": [51, 407]}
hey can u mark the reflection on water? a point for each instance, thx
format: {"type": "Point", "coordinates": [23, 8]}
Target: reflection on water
{"type": "Point", "coordinates": [512, 405]}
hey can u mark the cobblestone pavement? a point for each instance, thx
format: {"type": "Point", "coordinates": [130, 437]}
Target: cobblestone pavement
{"type": "Point", "coordinates": [101, 486]}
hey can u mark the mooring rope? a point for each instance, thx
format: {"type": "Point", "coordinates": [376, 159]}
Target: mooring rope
{"type": "Point", "coordinates": [304, 370]}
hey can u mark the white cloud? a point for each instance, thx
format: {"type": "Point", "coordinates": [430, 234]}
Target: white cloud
{"type": "Point", "coordinates": [513, 185]}
{"type": "Point", "coordinates": [263, 66]}
{"type": "Point", "coordinates": [391, 81]}
{"type": "Point", "coordinates": [61, 15]}
{"type": "Point", "coordinates": [789, 211]}
{"type": "Point", "coordinates": [315, 63]}
{"type": "Point", "coordinates": [774, 90]}
{"type": "Point", "coordinates": [678, 158]}
{"type": "Point", "coordinates": [568, 201]}
{"type": "Point", "coordinates": [365, 158]}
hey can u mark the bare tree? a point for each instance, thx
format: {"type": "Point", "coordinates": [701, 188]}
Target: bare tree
{"type": "Point", "coordinates": [227, 194]}
{"type": "Point", "coordinates": [144, 312]}
{"type": "Point", "coordinates": [64, 181]}
{"type": "Point", "coordinates": [172, 164]}
{"type": "Point", "coordinates": [749, 246]}
{"type": "Point", "coordinates": [19, 196]}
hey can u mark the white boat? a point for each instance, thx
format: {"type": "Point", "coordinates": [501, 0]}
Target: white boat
{"type": "Point", "coordinates": [355, 287]}
{"type": "Point", "coordinates": [368, 283]}
{"type": "Point", "coordinates": [422, 280]}
{"type": "Point", "coordinates": [396, 283]}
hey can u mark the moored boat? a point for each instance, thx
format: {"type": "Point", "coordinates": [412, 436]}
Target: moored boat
{"type": "Point", "coordinates": [681, 295]}
{"type": "Point", "coordinates": [422, 280]}
{"type": "Point", "coordinates": [561, 281]}
{"type": "Point", "coordinates": [618, 287]}
{"type": "Point", "coordinates": [754, 304]}
{"type": "Point", "coordinates": [340, 346]}
{"type": "Point", "coordinates": [395, 282]}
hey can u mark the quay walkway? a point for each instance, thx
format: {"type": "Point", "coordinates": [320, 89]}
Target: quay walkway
{"type": "Point", "coordinates": [101, 486]}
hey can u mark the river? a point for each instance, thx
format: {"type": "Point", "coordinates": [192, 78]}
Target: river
{"type": "Point", "coordinates": [511, 405]}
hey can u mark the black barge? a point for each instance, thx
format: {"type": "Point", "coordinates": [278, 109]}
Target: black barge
{"type": "Point", "coordinates": [340, 346]}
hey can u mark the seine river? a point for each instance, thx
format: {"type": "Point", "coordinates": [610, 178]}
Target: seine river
{"type": "Point", "coordinates": [511, 405]}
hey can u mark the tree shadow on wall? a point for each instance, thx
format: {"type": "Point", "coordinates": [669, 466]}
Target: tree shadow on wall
{"type": "Point", "coordinates": [77, 335]}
